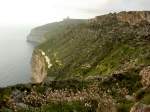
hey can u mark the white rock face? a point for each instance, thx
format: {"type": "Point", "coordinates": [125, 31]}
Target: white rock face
{"type": "Point", "coordinates": [48, 62]}
{"type": "Point", "coordinates": [140, 108]}
{"type": "Point", "coordinates": [46, 59]}
{"type": "Point", "coordinates": [40, 64]}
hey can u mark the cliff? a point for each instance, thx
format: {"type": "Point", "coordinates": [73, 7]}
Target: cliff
{"type": "Point", "coordinates": [39, 67]}
{"type": "Point", "coordinates": [131, 17]}
{"type": "Point", "coordinates": [40, 64]}
{"type": "Point", "coordinates": [106, 44]}
{"type": "Point", "coordinates": [134, 17]}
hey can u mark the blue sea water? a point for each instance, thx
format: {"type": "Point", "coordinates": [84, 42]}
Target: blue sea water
{"type": "Point", "coordinates": [15, 55]}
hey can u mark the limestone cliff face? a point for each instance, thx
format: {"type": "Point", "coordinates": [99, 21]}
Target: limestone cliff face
{"type": "Point", "coordinates": [131, 17]}
{"type": "Point", "coordinates": [40, 64]}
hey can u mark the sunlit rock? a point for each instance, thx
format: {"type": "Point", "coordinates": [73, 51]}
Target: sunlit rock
{"type": "Point", "coordinates": [145, 74]}
{"type": "Point", "coordinates": [138, 107]}
{"type": "Point", "coordinates": [40, 65]}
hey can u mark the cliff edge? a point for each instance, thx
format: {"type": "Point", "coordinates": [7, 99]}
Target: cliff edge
{"type": "Point", "coordinates": [131, 17]}
{"type": "Point", "coordinates": [39, 34]}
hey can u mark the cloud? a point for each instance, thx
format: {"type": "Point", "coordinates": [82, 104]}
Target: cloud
{"type": "Point", "coordinates": [44, 11]}
{"type": "Point", "coordinates": [118, 5]}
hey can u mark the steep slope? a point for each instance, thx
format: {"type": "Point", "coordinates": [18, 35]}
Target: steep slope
{"type": "Point", "coordinates": [103, 46]}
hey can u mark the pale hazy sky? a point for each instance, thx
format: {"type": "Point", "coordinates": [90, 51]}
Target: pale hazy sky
{"type": "Point", "coordinates": [45, 11]}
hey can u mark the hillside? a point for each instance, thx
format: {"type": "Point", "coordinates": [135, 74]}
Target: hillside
{"type": "Point", "coordinates": [103, 46]}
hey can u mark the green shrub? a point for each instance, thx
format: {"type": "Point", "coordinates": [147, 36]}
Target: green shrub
{"type": "Point", "coordinates": [124, 106]}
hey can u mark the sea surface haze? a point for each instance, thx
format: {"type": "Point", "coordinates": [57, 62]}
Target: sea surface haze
{"type": "Point", "coordinates": [15, 55]}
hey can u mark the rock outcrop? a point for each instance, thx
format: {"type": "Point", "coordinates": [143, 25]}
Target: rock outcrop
{"type": "Point", "coordinates": [145, 75]}
{"type": "Point", "coordinates": [131, 17]}
{"type": "Point", "coordinates": [134, 17]}
{"type": "Point", "coordinates": [138, 107]}
{"type": "Point", "coordinates": [40, 64]}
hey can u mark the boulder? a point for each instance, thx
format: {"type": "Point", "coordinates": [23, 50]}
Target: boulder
{"type": "Point", "coordinates": [22, 105]}
{"type": "Point", "coordinates": [138, 107]}
{"type": "Point", "coordinates": [145, 75]}
{"type": "Point", "coordinates": [106, 104]}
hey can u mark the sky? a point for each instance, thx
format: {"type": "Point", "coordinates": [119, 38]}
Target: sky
{"type": "Point", "coordinates": [38, 12]}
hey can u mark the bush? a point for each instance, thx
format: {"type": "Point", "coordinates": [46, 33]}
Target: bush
{"type": "Point", "coordinates": [124, 106]}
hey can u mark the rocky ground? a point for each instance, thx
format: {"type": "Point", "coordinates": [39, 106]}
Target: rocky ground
{"type": "Point", "coordinates": [120, 92]}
